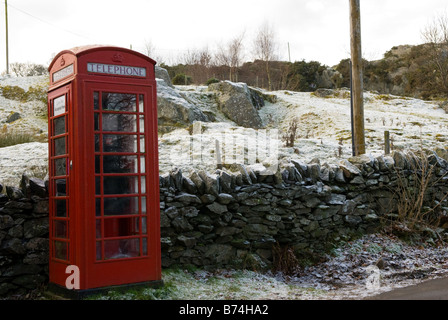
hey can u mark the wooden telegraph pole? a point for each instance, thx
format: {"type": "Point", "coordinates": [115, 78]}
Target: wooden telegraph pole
{"type": "Point", "coordinates": [7, 49]}
{"type": "Point", "coordinates": [357, 82]}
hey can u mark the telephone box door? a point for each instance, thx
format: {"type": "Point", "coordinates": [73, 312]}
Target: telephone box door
{"type": "Point", "coordinates": [124, 201]}
{"type": "Point", "coordinates": [61, 219]}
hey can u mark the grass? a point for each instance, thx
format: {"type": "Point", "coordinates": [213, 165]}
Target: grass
{"type": "Point", "coordinates": [198, 284]}
{"type": "Point", "coordinates": [10, 139]}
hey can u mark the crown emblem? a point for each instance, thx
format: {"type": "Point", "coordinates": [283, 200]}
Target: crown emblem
{"type": "Point", "coordinates": [117, 57]}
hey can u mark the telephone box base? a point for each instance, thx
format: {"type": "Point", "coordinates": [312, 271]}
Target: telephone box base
{"type": "Point", "coordinates": [56, 292]}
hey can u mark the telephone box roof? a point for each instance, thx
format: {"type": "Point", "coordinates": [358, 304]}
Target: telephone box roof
{"type": "Point", "coordinates": [82, 50]}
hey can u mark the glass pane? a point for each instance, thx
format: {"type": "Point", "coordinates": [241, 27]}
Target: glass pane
{"type": "Point", "coordinates": [141, 103]}
{"type": "Point", "coordinates": [142, 144]}
{"type": "Point", "coordinates": [120, 164]}
{"type": "Point", "coordinates": [59, 106]}
{"type": "Point", "coordinates": [119, 122]}
{"type": "Point", "coordinates": [143, 205]}
{"type": "Point", "coordinates": [59, 126]}
{"type": "Point", "coordinates": [60, 229]}
{"type": "Point", "coordinates": [96, 122]}
{"type": "Point", "coordinates": [120, 206]}
{"type": "Point", "coordinates": [97, 143]}
{"type": "Point", "coordinates": [61, 188]}
{"type": "Point", "coordinates": [60, 167]}
{"type": "Point", "coordinates": [143, 225]}
{"type": "Point", "coordinates": [60, 250]}
{"type": "Point", "coordinates": [119, 102]}
{"type": "Point", "coordinates": [96, 100]}
{"type": "Point", "coordinates": [97, 164]}
{"type": "Point", "coordinates": [119, 143]}
{"type": "Point", "coordinates": [142, 165]}
{"type": "Point", "coordinates": [143, 184]}
{"type": "Point", "coordinates": [120, 227]}
{"type": "Point", "coordinates": [126, 248]}
{"type": "Point", "coordinates": [97, 185]}
{"type": "Point", "coordinates": [142, 124]}
{"type": "Point", "coordinates": [120, 185]}
{"type": "Point", "coordinates": [59, 146]}
{"type": "Point", "coordinates": [61, 208]}
{"type": "Point", "coordinates": [98, 207]}
{"type": "Point", "coordinates": [98, 228]}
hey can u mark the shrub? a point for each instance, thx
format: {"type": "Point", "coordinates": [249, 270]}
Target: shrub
{"type": "Point", "coordinates": [212, 80]}
{"type": "Point", "coordinates": [182, 79]}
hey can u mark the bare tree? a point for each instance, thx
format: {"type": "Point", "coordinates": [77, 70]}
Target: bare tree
{"type": "Point", "coordinates": [435, 36]}
{"type": "Point", "coordinates": [151, 51]}
{"type": "Point", "coordinates": [231, 55]}
{"type": "Point", "coordinates": [265, 48]}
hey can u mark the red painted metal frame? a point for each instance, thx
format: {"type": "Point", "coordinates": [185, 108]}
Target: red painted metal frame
{"type": "Point", "coordinates": [78, 84]}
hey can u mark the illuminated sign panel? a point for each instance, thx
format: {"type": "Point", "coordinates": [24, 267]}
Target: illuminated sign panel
{"type": "Point", "coordinates": [116, 70]}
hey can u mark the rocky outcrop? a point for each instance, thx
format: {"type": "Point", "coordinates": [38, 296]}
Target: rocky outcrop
{"type": "Point", "coordinates": [174, 110]}
{"type": "Point", "coordinates": [239, 103]}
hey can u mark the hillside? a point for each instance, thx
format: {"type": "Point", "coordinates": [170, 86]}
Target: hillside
{"type": "Point", "coordinates": [323, 132]}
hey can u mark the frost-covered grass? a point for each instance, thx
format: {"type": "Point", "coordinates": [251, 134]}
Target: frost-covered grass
{"type": "Point", "coordinates": [182, 284]}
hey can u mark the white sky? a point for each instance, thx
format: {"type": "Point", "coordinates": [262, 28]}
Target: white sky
{"type": "Point", "coordinates": [315, 29]}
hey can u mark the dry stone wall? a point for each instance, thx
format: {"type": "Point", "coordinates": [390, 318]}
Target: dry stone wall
{"type": "Point", "coordinates": [233, 218]}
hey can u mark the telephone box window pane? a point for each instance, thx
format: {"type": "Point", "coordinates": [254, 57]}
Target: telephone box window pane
{"type": "Point", "coordinates": [98, 207]}
{"type": "Point", "coordinates": [119, 102]}
{"type": "Point", "coordinates": [98, 228]}
{"type": "Point", "coordinates": [120, 143]}
{"type": "Point", "coordinates": [120, 227]}
{"type": "Point", "coordinates": [120, 206]}
{"type": "Point", "coordinates": [60, 229]}
{"type": "Point", "coordinates": [96, 100]}
{"type": "Point", "coordinates": [96, 122]}
{"type": "Point", "coordinates": [120, 185]}
{"type": "Point", "coordinates": [143, 205]}
{"type": "Point", "coordinates": [141, 103]}
{"type": "Point", "coordinates": [142, 124]}
{"type": "Point", "coordinates": [143, 184]}
{"type": "Point", "coordinates": [60, 250]}
{"type": "Point", "coordinates": [59, 146]}
{"type": "Point", "coordinates": [97, 164]}
{"type": "Point", "coordinates": [118, 249]}
{"type": "Point", "coordinates": [59, 106]}
{"type": "Point", "coordinates": [142, 165]}
{"type": "Point", "coordinates": [144, 230]}
{"type": "Point", "coordinates": [119, 122]}
{"type": "Point", "coordinates": [97, 143]}
{"type": "Point", "coordinates": [120, 164]}
{"type": "Point", "coordinates": [61, 188]}
{"type": "Point", "coordinates": [61, 208]}
{"type": "Point", "coordinates": [60, 167]}
{"type": "Point", "coordinates": [98, 185]}
{"type": "Point", "coordinates": [142, 144]}
{"type": "Point", "coordinates": [59, 126]}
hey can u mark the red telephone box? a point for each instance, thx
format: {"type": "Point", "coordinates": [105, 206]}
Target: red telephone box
{"type": "Point", "coordinates": [103, 164]}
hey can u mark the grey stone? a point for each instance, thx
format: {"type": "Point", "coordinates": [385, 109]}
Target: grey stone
{"type": "Point", "coordinates": [187, 198]}
{"type": "Point", "coordinates": [236, 103]}
{"type": "Point", "coordinates": [353, 220]}
{"type": "Point", "coordinates": [35, 228]}
{"type": "Point", "coordinates": [217, 208]}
